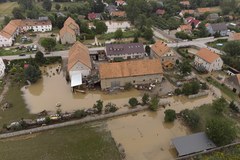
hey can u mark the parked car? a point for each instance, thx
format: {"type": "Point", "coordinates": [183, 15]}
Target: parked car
{"type": "Point", "coordinates": [22, 54]}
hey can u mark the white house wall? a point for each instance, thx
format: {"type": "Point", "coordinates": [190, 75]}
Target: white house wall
{"type": "Point", "coordinates": [82, 68]}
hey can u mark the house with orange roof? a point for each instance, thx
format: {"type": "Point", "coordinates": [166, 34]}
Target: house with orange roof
{"type": "Point", "coordinates": [185, 3]}
{"type": "Point", "coordinates": [118, 14]}
{"type": "Point", "coordinates": [79, 59]}
{"type": "Point", "coordinates": [185, 28]}
{"type": "Point", "coordinates": [68, 34]}
{"type": "Point", "coordinates": [201, 11]}
{"type": "Point", "coordinates": [117, 74]}
{"type": "Point", "coordinates": [120, 3]}
{"type": "Point", "coordinates": [14, 27]}
{"type": "Point", "coordinates": [207, 61]}
{"type": "Point", "coordinates": [161, 51]}
{"type": "Point", "coordinates": [233, 82]}
{"type": "Point", "coordinates": [234, 37]}
{"type": "Point", "coordinates": [188, 11]}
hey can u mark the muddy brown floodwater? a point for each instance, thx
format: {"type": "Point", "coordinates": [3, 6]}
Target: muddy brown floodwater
{"type": "Point", "coordinates": [146, 136]}
{"type": "Point", "coordinates": [53, 89]}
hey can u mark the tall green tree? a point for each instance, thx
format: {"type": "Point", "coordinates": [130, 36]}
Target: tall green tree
{"type": "Point", "coordinates": [118, 34]}
{"type": "Point", "coordinates": [219, 105]}
{"type": "Point", "coordinates": [39, 58]}
{"type": "Point", "coordinates": [47, 5]}
{"type": "Point", "coordinates": [57, 7]}
{"type": "Point", "coordinates": [170, 115]}
{"type": "Point", "coordinates": [48, 44]}
{"type": "Point", "coordinates": [148, 33]}
{"type": "Point", "coordinates": [101, 27]}
{"type": "Point", "coordinates": [17, 13]}
{"type": "Point", "coordinates": [154, 104]}
{"type": "Point", "coordinates": [98, 106]}
{"type": "Point", "coordinates": [221, 131]}
{"type": "Point", "coordinates": [232, 48]}
{"type": "Point", "coordinates": [32, 73]}
{"type": "Point", "coordinates": [185, 67]}
{"type": "Point", "coordinates": [133, 102]}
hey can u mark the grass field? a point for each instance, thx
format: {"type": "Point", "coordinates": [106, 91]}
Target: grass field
{"type": "Point", "coordinates": [85, 142]}
{"type": "Point", "coordinates": [6, 8]}
{"type": "Point", "coordinates": [18, 110]}
{"type": "Point", "coordinates": [227, 93]}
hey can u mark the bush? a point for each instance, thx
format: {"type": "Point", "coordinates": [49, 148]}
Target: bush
{"type": "Point", "coordinates": [154, 104]}
{"type": "Point", "coordinates": [128, 86]}
{"type": "Point", "coordinates": [110, 107]}
{"type": "Point", "coordinates": [133, 102]}
{"type": "Point", "coordinates": [170, 115]}
{"type": "Point", "coordinates": [190, 118]}
{"type": "Point", "coordinates": [79, 114]}
{"type": "Point", "coordinates": [145, 99]}
{"type": "Point", "coordinates": [191, 88]}
{"type": "Point", "coordinates": [98, 106]}
{"type": "Point", "coordinates": [234, 107]}
{"type": "Point", "coordinates": [178, 91]}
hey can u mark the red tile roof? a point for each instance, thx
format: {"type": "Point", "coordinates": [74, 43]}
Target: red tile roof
{"type": "Point", "coordinates": [207, 55]}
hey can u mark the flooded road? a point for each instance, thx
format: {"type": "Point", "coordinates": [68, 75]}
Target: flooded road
{"type": "Point", "coordinates": [53, 89]}
{"type": "Point", "coordinates": [146, 136]}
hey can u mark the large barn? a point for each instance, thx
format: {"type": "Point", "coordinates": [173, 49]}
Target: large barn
{"type": "Point", "coordinates": [117, 74]}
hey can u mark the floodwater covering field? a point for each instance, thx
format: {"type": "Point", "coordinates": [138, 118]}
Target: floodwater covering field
{"type": "Point", "coordinates": [146, 136]}
{"type": "Point", "coordinates": [53, 89]}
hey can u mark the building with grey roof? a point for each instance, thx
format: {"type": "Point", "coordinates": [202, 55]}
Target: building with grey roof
{"type": "Point", "coordinates": [213, 17]}
{"type": "Point", "coordinates": [220, 28]}
{"type": "Point", "coordinates": [194, 143]}
{"type": "Point", "coordinates": [125, 51]}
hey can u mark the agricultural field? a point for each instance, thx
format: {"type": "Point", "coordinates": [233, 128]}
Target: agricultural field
{"type": "Point", "coordinates": [69, 143]}
{"type": "Point", "coordinates": [6, 8]}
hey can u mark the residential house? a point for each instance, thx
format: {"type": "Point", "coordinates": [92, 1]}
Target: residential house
{"type": "Point", "coordinates": [233, 82]}
{"type": "Point", "coordinates": [201, 11]}
{"type": "Point", "coordinates": [188, 11]}
{"type": "Point", "coordinates": [118, 14]}
{"type": "Point", "coordinates": [94, 16]}
{"type": "Point", "coordinates": [220, 28]}
{"type": "Point", "coordinates": [234, 37]}
{"type": "Point", "coordinates": [40, 25]}
{"type": "Point", "coordinates": [185, 3]}
{"type": "Point", "coordinates": [125, 51]}
{"type": "Point", "coordinates": [117, 74]}
{"type": "Point", "coordinates": [2, 68]}
{"type": "Point", "coordinates": [14, 27]}
{"type": "Point", "coordinates": [185, 28]}
{"type": "Point", "coordinates": [213, 17]}
{"type": "Point", "coordinates": [110, 8]}
{"type": "Point", "coordinates": [68, 34]}
{"type": "Point", "coordinates": [160, 12]}
{"type": "Point", "coordinates": [207, 61]}
{"type": "Point", "coordinates": [192, 21]}
{"type": "Point", "coordinates": [161, 51]}
{"type": "Point", "coordinates": [79, 60]}
{"type": "Point", "coordinates": [120, 3]}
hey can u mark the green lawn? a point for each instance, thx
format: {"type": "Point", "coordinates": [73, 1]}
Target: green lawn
{"type": "Point", "coordinates": [227, 93]}
{"type": "Point", "coordinates": [18, 111]}
{"type": "Point", "coordinates": [216, 44]}
{"type": "Point", "coordinates": [6, 52]}
{"type": "Point", "coordinates": [108, 36]}
{"type": "Point", "coordinates": [81, 142]}
{"type": "Point", "coordinates": [6, 8]}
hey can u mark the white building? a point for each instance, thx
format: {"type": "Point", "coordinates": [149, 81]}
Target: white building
{"type": "Point", "coordinates": [14, 27]}
{"type": "Point", "coordinates": [206, 60]}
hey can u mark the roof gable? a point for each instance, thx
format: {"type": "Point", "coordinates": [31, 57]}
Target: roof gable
{"type": "Point", "coordinates": [130, 68]}
{"type": "Point", "coordinates": [79, 53]}
{"type": "Point", "coordinates": [207, 55]}
{"type": "Point", "coordinates": [160, 48]}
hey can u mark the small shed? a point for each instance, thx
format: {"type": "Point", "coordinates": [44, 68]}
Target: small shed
{"type": "Point", "coordinates": [194, 143]}
{"type": "Point", "coordinates": [76, 78]}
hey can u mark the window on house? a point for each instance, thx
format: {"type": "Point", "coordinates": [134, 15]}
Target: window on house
{"type": "Point", "coordinates": [134, 81]}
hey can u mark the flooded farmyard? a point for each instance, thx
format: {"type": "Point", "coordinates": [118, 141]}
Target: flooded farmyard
{"type": "Point", "coordinates": [53, 89]}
